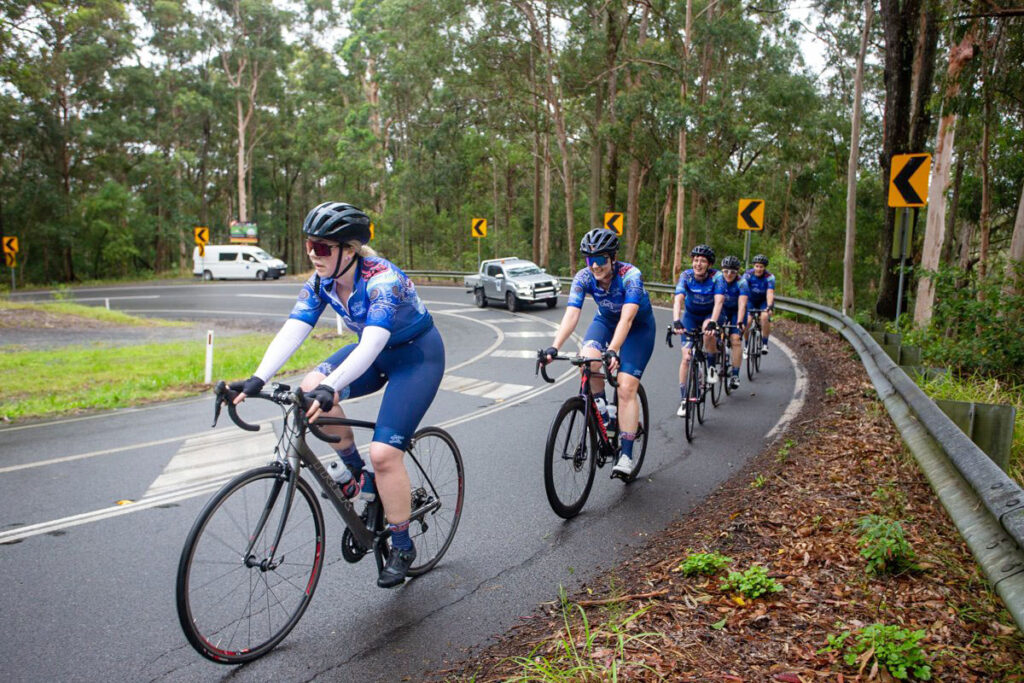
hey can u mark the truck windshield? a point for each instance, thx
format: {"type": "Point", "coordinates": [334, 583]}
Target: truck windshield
{"type": "Point", "coordinates": [516, 271]}
{"type": "Point", "coordinates": [263, 255]}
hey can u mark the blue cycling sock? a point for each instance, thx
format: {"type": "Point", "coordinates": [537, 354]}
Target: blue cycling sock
{"type": "Point", "coordinates": [627, 443]}
{"type": "Point", "coordinates": [350, 456]}
{"type": "Point", "coordinates": [682, 391]}
{"type": "Point", "coordinates": [712, 359]}
{"type": "Point", "coordinates": [735, 372]}
{"type": "Point", "coordinates": [400, 535]}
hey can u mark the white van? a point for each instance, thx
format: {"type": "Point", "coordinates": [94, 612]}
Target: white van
{"type": "Point", "coordinates": [236, 261]}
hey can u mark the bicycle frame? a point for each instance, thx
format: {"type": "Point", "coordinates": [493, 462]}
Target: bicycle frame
{"type": "Point", "coordinates": [592, 415]}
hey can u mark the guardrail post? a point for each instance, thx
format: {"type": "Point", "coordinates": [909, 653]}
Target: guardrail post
{"type": "Point", "coordinates": [989, 426]}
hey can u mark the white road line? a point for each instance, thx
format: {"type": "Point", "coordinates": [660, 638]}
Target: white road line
{"type": "Point", "coordinates": [530, 334]}
{"type": "Point", "coordinates": [515, 353]}
{"type": "Point", "coordinates": [114, 298]}
{"type": "Point", "coordinates": [796, 403]}
{"type": "Point", "coordinates": [213, 456]}
{"type": "Point", "coordinates": [496, 391]}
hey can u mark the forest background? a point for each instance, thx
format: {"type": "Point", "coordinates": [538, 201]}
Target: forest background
{"type": "Point", "coordinates": [124, 124]}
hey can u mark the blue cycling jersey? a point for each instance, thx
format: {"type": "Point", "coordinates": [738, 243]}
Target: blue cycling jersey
{"type": "Point", "coordinates": [382, 296]}
{"type": "Point", "coordinates": [759, 287]}
{"type": "Point", "coordinates": [627, 287]}
{"type": "Point", "coordinates": [732, 292]}
{"type": "Point", "coordinates": [698, 295]}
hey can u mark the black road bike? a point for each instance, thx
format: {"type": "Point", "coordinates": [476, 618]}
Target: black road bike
{"type": "Point", "coordinates": [724, 362]}
{"type": "Point", "coordinates": [696, 393]}
{"type": "Point", "coordinates": [752, 345]}
{"type": "Point", "coordinates": [254, 555]}
{"type": "Point", "coordinates": [578, 440]}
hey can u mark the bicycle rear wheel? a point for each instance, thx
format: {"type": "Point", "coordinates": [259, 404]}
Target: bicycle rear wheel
{"type": "Point", "coordinates": [642, 429]}
{"type": "Point", "coordinates": [716, 388]}
{"type": "Point", "coordinates": [438, 488]}
{"type": "Point", "coordinates": [757, 356]}
{"type": "Point", "coordinates": [753, 348]}
{"type": "Point", "coordinates": [235, 607]}
{"type": "Point", "coordinates": [726, 367]}
{"type": "Point", "coordinates": [569, 460]}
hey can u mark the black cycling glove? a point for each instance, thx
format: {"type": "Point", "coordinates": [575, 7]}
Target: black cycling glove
{"type": "Point", "coordinates": [611, 353]}
{"type": "Point", "coordinates": [250, 387]}
{"type": "Point", "coordinates": [324, 394]}
{"type": "Point", "coordinates": [549, 354]}
{"type": "Point", "coordinates": [677, 326]}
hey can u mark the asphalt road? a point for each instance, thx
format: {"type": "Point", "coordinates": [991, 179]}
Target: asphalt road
{"type": "Point", "coordinates": [89, 584]}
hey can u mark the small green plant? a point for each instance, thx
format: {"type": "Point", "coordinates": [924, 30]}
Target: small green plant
{"type": "Point", "coordinates": [783, 453]}
{"type": "Point", "coordinates": [896, 649]}
{"type": "Point", "coordinates": [830, 391]}
{"type": "Point", "coordinates": [703, 563]}
{"type": "Point", "coordinates": [759, 481]}
{"type": "Point", "coordinates": [753, 583]}
{"type": "Point", "coordinates": [891, 496]}
{"type": "Point", "coordinates": [884, 546]}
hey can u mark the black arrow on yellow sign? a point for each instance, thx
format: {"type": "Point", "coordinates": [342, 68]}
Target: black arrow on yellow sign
{"type": "Point", "coordinates": [479, 227]}
{"type": "Point", "coordinates": [909, 180]}
{"type": "Point", "coordinates": [10, 260]}
{"type": "Point", "coordinates": [613, 221]}
{"type": "Point", "coordinates": [747, 214]}
{"type": "Point", "coordinates": [10, 245]}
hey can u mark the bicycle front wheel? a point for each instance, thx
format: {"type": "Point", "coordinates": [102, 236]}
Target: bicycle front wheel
{"type": "Point", "coordinates": [569, 460]}
{"type": "Point", "coordinates": [692, 397]}
{"type": "Point", "coordinates": [237, 595]}
{"type": "Point", "coordinates": [702, 390]}
{"type": "Point", "coordinates": [438, 488]}
{"type": "Point", "coordinates": [757, 356]}
{"type": "Point", "coordinates": [642, 429]}
{"type": "Point", "coordinates": [716, 388]}
{"type": "Point", "coordinates": [753, 347]}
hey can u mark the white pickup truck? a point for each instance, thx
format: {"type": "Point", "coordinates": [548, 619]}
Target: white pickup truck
{"type": "Point", "coordinates": [513, 280]}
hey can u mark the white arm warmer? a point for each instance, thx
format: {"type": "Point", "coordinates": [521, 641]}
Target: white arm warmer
{"type": "Point", "coordinates": [370, 345]}
{"type": "Point", "coordinates": [288, 339]}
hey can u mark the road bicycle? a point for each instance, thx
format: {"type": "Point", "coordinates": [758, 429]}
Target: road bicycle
{"type": "Point", "coordinates": [579, 441]}
{"type": "Point", "coordinates": [752, 344]}
{"type": "Point", "coordinates": [253, 557]}
{"type": "Point", "coordinates": [696, 391]}
{"type": "Point", "coordinates": [724, 337]}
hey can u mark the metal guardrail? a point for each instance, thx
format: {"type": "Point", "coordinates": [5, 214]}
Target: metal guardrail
{"type": "Point", "coordinates": [986, 506]}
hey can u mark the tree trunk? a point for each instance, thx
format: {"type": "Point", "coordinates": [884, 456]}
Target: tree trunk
{"type": "Point", "coordinates": [959, 55]}
{"type": "Point", "coordinates": [666, 236]}
{"type": "Point", "coordinates": [851, 171]}
{"type": "Point", "coordinates": [949, 239]}
{"type": "Point", "coordinates": [898, 20]}
{"type": "Point", "coordinates": [1016, 261]}
{"type": "Point", "coordinates": [632, 209]}
{"type": "Point", "coordinates": [545, 204]}
{"type": "Point", "coordinates": [677, 253]}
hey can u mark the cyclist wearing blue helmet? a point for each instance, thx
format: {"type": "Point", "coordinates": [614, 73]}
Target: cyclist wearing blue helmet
{"type": "Point", "coordinates": [731, 294]}
{"type": "Point", "coordinates": [691, 311]}
{"type": "Point", "coordinates": [624, 327]}
{"type": "Point", "coordinates": [762, 296]}
{"type": "Point", "coordinates": [398, 346]}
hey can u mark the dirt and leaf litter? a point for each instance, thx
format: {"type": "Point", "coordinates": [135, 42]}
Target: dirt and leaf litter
{"type": "Point", "coordinates": [840, 461]}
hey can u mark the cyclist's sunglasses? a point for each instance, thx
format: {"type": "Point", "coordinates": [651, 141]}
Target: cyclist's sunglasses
{"type": "Point", "coordinates": [596, 261]}
{"type": "Point", "coordinates": [320, 248]}
{"type": "Point", "coordinates": [730, 270]}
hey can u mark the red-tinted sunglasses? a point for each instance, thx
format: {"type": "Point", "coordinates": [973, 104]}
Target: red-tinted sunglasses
{"type": "Point", "coordinates": [320, 248]}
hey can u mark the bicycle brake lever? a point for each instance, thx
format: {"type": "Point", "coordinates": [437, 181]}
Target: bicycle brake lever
{"type": "Point", "coordinates": [219, 398]}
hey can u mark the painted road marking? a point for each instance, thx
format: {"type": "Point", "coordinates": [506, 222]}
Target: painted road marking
{"type": "Point", "coordinates": [515, 353]}
{"type": "Point", "coordinates": [496, 391]}
{"type": "Point", "coordinates": [525, 335]}
{"type": "Point", "coordinates": [213, 456]}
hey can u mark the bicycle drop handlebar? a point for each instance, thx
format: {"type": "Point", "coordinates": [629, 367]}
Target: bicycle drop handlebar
{"type": "Point", "coordinates": [671, 332]}
{"type": "Point", "coordinates": [575, 360]}
{"type": "Point", "coordinates": [281, 394]}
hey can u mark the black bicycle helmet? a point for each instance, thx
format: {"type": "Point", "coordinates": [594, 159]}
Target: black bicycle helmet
{"type": "Point", "coordinates": [732, 262]}
{"type": "Point", "coordinates": [599, 241]}
{"type": "Point", "coordinates": [762, 259]}
{"type": "Point", "coordinates": [338, 222]}
{"type": "Point", "coordinates": [705, 251]}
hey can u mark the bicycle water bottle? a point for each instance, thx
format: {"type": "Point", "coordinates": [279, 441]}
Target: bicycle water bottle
{"type": "Point", "coordinates": [342, 477]}
{"type": "Point", "coordinates": [602, 407]}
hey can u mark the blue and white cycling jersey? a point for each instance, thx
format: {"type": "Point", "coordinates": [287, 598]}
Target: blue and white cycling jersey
{"type": "Point", "coordinates": [732, 292]}
{"type": "Point", "coordinates": [382, 296]}
{"type": "Point", "coordinates": [699, 295]}
{"type": "Point", "coordinates": [759, 287]}
{"type": "Point", "coordinates": [627, 287]}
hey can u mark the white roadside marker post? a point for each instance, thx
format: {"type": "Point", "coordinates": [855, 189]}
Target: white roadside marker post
{"type": "Point", "coordinates": [209, 358]}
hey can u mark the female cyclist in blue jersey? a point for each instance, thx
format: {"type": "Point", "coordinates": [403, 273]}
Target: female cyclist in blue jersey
{"type": "Point", "coordinates": [623, 326]}
{"type": "Point", "coordinates": [691, 311]}
{"type": "Point", "coordinates": [762, 296]}
{"type": "Point", "coordinates": [731, 295]}
{"type": "Point", "coordinates": [398, 345]}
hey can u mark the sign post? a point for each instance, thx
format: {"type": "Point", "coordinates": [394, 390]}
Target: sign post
{"type": "Point", "coordinates": [749, 217]}
{"type": "Point", "coordinates": [10, 244]}
{"type": "Point", "coordinates": [479, 230]}
{"type": "Point", "coordinates": [202, 238]}
{"type": "Point", "coordinates": [908, 188]}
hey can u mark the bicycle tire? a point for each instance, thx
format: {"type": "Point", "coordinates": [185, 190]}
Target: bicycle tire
{"type": "Point", "coordinates": [726, 365]}
{"type": "Point", "coordinates": [692, 389]}
{"type": "Point", "coordinates": [702, 389]}
{"type": "Point", "coordinates": [256, 609]}
{"type": "Point", "coordinates": [640, 442]}
{"type": "Point", "coordinates": [757, 356]}
{"type": "Point", "coordinates": [716, 388]}
{"type": "Point", "coordinates": [438, 488]}
{"type": "Point", "coordinates": [750, 341]}
{"type": "Point", "coordinates": [570, 458]}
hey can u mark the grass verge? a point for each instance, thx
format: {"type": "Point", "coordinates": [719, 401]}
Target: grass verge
{"type": "Point", "coordinates": [13, 314]}
{"type": "Point", "coordinates": [72, 379]}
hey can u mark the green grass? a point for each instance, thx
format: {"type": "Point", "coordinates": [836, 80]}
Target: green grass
{"type": "Point", "coordinates": [979, 389]}
{"type": "Point", "coordinates": [71, 379]}
{"type": "Point", "coordinates": [66, 308]}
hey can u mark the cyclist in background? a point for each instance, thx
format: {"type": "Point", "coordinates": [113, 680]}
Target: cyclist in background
{"type": "Point", "coordinates": [691, 311]}
{"type": "Point", "coordinates": [624, 327]}
{"type": "Point", "coordinates": [762, 296]}
{"type": "Point", "coordinates": [731, 293]}
{"type": "Point", "coordinates": [398, 345]}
